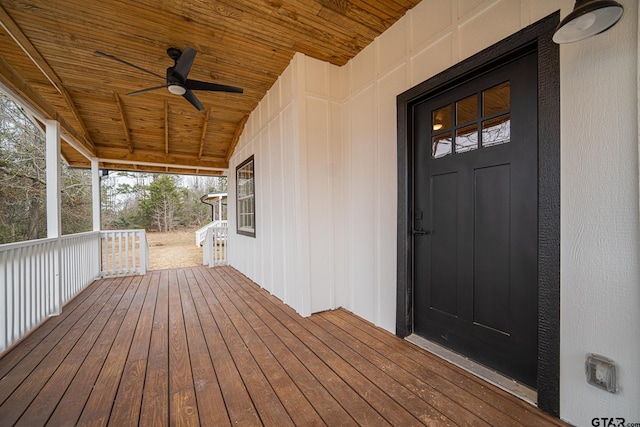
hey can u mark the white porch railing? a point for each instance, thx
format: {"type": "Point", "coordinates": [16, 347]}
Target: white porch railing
{"type": "Point", "coordinates": [38, 277]}
{"type": "Point", "coordinates": [80, 263]}
{"type": "Point", "coordinates": [124, 252]}
{"type": "Point", "coordinates": [201, 233]}
{"type": "Point", "coordinates": [214, 248]}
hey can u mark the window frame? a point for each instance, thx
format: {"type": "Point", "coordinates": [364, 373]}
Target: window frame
{"type": "Point", "coordinates": [243, 195]}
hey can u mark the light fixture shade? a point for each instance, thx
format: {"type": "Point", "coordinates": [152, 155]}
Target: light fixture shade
{"type": "Point", "coordinates": [589, 17]}
{"type": "Point", "coordinates": [176, 89]}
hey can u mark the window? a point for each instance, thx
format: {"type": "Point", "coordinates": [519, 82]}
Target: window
{"type": "Point", "coordinates": [246, 198]}
{"type": "Point", "coordinates": [488, 111]}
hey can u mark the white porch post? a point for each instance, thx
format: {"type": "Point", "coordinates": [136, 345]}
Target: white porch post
{"type": "Point", "coordinates": [95, 187]}
{"type": "Point", "coordinates": [54, 222]}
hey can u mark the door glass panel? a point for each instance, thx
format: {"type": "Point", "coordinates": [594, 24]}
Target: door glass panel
{"type": "Point", "coordinates": [467, 110]}
{"type": "Point", "coordinates": [496, 99]}
{"type": "Point", "coordinates": [463, 132]}
{"type": "Point", "coordinates": [496, 131]}
{"type": "Point", "coordinates": [466, 139]}
{"type": "Point", "coordinates": [441, 118]}
{"type": "Point", "coordinates": [441, 145]}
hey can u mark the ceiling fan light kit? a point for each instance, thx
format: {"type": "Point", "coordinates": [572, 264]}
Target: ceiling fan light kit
{"type": "Point", "coordinates": [176, 89]}
{"type": "Point", "coordinates": [176, 78]}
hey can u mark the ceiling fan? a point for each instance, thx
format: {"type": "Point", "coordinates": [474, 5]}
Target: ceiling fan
{"type": "Point", "coordinates": [176, 78]}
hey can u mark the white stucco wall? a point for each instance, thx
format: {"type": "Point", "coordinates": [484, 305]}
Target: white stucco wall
{"type": "Point", "coordinates": [325, 145]}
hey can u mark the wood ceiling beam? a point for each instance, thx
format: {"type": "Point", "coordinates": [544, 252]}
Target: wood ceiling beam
{"type": "Point", "coordinates": [27, 47]}
{"type": "Point", "coordinates": [20, 88]}
{"type": "Point", "coordinates": [155, 168]}
{"type": "Point", "coordinates": [15, 83]}
{"type": "Point", "coordinates": [140, 157]}
{"type": "Point", "coordinates": [236, 137]}
{"type": "Point", "coordinates": [205, 122]}
{"type": "Point", "coordinates": [123, 118]}
{"type": "Point", "coordinates": [38, 60]}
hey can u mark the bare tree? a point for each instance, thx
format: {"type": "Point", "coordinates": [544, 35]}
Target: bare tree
{"type": "Point", "coordinates": [23, 181]}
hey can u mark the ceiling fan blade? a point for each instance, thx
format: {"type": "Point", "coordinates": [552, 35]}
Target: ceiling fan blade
{"type": "Point", "coordinates": [106, 55]}
{"type": "Point", "coordinates": [198, 85]}
{"type": "Point", "coordinates": [191, 97]}
{"type": "Point", "coordinates": [149, 89]}
{"type": "Point", "coordinates": [183, 64]}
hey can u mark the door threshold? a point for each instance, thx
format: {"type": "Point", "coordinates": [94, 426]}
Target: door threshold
{"type": "Point", "coordinates": [505, 383]}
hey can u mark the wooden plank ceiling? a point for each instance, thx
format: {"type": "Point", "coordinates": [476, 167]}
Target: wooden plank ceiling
{"type": "Point", "coordinates": [47, 58]}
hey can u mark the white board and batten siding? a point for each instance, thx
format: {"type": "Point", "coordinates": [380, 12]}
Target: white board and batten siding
{"type": "Point", "coordinates": [295, 137]}
{"type": "Point", "coordinates": [324, 140]}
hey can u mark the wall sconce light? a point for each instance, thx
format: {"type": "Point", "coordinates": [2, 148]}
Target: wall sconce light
{"type": "Point", "coordinates": [589, 17]}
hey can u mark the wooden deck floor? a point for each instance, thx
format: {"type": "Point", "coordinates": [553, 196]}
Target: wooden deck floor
{"type": "Point", "coordinates": [201, 346]}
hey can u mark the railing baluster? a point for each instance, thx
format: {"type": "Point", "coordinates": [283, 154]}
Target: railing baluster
{"type": "Point", "coordinates": [3, 300]}
{"type": "Point", "coordinates": [105, 252]}
{"type": "Point", "coordinates": [23, 291]}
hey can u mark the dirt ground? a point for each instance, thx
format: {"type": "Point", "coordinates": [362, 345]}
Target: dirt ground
{"type": "Point", "coordinates": [173, 249]}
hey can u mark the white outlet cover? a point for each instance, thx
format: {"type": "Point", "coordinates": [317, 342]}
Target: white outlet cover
{"type": "Point", "coordinates": [601, 372]}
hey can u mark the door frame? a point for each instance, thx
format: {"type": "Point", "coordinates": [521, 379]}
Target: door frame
{"type": "Point", "coordinates": [536, 37]}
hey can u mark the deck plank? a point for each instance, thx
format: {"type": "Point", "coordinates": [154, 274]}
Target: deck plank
{"type": "Point", "coordinates": [472, 392]}
{"type": "Point", "coordinates": [297, 406]}
{"type": "Point", "coordinates": [325, 405]}
{"type": "Point", "coordinates": [155, 397]}
{"type": "Point", "coordinates": [511, 410]}
{"type": "Point", "coordinates": [354, 403]}
{"type": "Point", "coordinates": [239, 405]}
{"type": "Point", "coordinates": [201, 346]}
{"type": "Point", "coordinates": [264, 398]}
{"type": "Point", "coordinates": [211, 405]}
{"type": "Point", "coordinates": [128, 399]}
{"type": "Point", "coordinates": [183, 408]}
{"type": "Point", "coordinates": [100, 403]}
{"type": "Point", "coordinates": [70, 407]}
{"type": "Point", "coordinates": [45, 403]}
{"type": "Point", "coordinates": [429, 394]}
{"type": "Point", "coordinates": [382, 391]}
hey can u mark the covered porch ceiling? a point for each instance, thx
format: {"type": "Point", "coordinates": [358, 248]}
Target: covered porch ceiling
{"type": "Point", "coordinates": [48, 59]}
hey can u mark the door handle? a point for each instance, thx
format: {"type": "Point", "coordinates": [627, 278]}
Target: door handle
{"type": "Point", "coordinates": [421, 232]}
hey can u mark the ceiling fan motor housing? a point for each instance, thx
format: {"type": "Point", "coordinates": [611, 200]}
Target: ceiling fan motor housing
{"type": "Point", "coordinates": [174, 83]}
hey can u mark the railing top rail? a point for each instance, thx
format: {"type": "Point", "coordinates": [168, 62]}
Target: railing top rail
{"type": "Point", "coordinates": [211, 224]}
{"type": "Point", "coordinates": [136, 230]}
{"type": "Point", "coordinates": [72, 236]}
{"type": "Point", "coordinates": [26, 243]}
{"type": "Point", "coordinates": [36, 242]}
